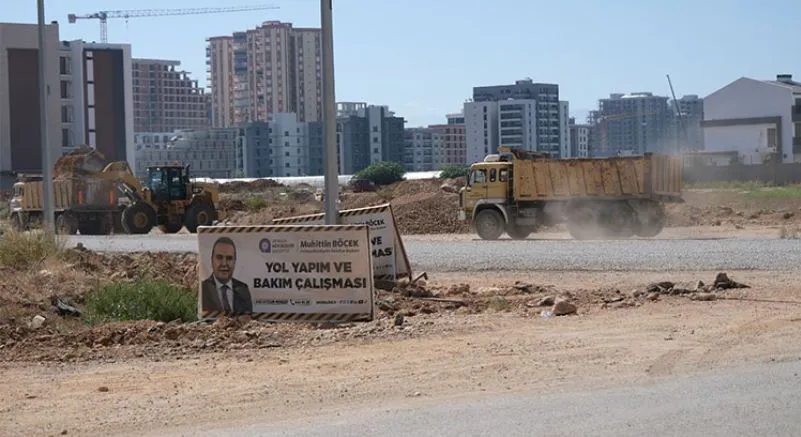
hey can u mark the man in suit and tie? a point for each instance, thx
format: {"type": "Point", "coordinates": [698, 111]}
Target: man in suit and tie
{"type": "Point", "coordinates": [221, 292]}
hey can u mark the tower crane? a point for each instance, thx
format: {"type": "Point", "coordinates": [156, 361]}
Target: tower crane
{"type": "Point", "coordinates": [103, 16]}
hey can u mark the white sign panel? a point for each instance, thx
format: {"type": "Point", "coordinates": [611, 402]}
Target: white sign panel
{"type": "Point", "coordinates": [286, 273]}
{"type": "Point", "coordinates": [389, 255]}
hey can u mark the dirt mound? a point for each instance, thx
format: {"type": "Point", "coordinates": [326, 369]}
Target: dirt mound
{"type": "Point", "coordinates": [427, 213]}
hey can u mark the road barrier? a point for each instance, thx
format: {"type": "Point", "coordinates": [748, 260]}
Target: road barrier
{"type": "Point", "coordinates": [390, 261]}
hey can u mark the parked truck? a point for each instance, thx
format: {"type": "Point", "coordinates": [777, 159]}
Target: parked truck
{"type": "Point", "coordinates": [517, 191]}
{"type": "Point", "coordinates": [86, 205]}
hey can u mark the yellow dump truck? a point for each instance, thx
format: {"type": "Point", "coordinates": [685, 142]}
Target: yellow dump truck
{"type": "Point", "coordinates": [517, 191]}
{"type": "Point", "coordinates": [85, 205]}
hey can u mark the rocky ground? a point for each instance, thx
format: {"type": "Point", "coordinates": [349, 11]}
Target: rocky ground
{"type": "Point", "coordinates": [452, 339]}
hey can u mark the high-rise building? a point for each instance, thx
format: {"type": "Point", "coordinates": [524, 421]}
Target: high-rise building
{"type": "Point", "coordinates": [165, 98]}
{"type": "Point", "coordinates": [453, 149]}
{"type": "Point", "coordinates": [633, 124]}
{"type": "Point", "coordinates": [548, 127]}
{"type": "Point", "coordinates": [20, 127]}
{"type": "Point", "coordinates": [273, 68]}
{"type": "Point", "coordinates": [367, 134]}
{"type": "Point", "coordinates": [220, 77]}
{"type": "Point", "coordinates": [97, 98]}
{"type": "Point", "coordinates": [481, 130]}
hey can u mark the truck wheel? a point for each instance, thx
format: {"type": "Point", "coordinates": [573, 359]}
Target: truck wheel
{"type": "Point", "coordinates": [16, 223]}
{"type": "Point", "coordinates": [199, 214]}
{"type": "Point", "coordinates": [489, 224]}
{"type": "Point", "coordinates": [65, 225]}
{"type": "Point", "coordinates": [619, 220]}
{"type": "Point", "coordinates": [138, 218]}
{"type": "Point", "coordinates": [518, 232]}
{"type": "Point", "coordinates": [651, 218]}
{"type": "Point", "coordinates": [171, 228]}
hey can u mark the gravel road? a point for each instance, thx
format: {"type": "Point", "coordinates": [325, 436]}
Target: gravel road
{"type": "Point", "coordinates": [445, 254]}
{"type": "Point", "coordinates": [757, 400]}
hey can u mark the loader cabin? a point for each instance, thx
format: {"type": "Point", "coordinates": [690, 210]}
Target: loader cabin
{"type": "Point", "coordinates": [168, 182]}
{"type": "Point", "coordinates": [490, 179]}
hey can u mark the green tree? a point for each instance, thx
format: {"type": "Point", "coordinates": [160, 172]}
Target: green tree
{"type": "Point", "coordinates": [382, 172]}
{"type": "Point", "coordinates": [451, 171]}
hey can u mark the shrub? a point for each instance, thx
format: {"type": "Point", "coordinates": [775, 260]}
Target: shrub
{"type": "Point", "coordinates": [255, 203]}
{"type": "Point", "coordinates": [141, 300]}
{"type": "Point", "coordinates": [22, 250]}
{"type": "Point", "coordinates": [382, 172]}
{"type": "Point", "coordinates": [452, 171]}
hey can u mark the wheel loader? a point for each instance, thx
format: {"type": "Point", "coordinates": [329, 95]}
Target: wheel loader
{"type": "Point", "coordinates": [168, 199]}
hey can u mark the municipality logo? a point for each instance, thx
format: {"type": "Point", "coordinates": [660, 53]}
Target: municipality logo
{"type": "Point", "coordinates": [265, 246]}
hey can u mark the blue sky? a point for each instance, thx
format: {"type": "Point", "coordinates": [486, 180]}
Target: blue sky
{"type": "Point", "coordinates": [422, 58]}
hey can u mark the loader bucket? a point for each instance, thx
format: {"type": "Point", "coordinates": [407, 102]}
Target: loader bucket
{"type": "Point", "coordinates": [85, 160]}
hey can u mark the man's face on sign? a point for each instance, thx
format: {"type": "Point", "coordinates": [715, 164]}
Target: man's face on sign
{"type": "Point", "coordinates": [223, 261]}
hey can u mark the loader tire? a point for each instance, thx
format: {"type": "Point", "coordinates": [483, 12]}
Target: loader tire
{"type": "Point", "coordinates": [138, 218]}
{"type": "Point", "coordinates": [489, 224]}
{"type": "Point", "coordinates": [199, 214]}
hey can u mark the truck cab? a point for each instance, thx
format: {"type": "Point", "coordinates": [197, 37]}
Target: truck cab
{"type": "Point", "coordinates": [487, 182]}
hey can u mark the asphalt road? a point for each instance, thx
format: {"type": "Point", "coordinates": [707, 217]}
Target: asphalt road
{"type": "Point", "coordinates": [507, 255]}
{"type": "Point", "coordinates": [759, 400]}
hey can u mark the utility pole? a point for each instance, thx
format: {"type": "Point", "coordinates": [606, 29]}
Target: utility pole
{"type": "Point", "coordinates": [329, 114]}
{"type": "Point", "coordinates": [47, 182]}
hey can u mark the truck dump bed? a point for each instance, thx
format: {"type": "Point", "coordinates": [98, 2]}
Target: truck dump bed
{"type": "Point", "coordinates": [79, 193]}
{"type": "Point", "coordinates": [630, 176]}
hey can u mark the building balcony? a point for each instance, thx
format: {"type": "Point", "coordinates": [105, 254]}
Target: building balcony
{"type": "Point", "coordinates": [796, 113]}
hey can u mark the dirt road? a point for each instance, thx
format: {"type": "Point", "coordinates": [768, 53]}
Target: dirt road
{"type": "Point", "coordinates": [430, 357]}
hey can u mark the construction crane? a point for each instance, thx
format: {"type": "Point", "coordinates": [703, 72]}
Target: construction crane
{"type": "Point", "coordinates": [103, 16]}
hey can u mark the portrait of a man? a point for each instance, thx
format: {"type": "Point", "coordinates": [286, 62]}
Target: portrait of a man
{"type": "Point", "coordinates": [221, 291]}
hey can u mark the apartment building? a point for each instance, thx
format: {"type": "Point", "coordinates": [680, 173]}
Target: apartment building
{"type": "Point", "coordinates": [547, 111]}
{"type": "Point", "coordinates": [273, 68]}
{"type": "Point", "coordinates": [210, 153]}
{"type": "Point", "coordinates": [760, 120]}
{"type": "Point", "coordinates": [220, 77]}
{"type": "Point", "coordinates": [166, 98]}
{"type": "Point", "coordinates": [481, 130]}
{"type": "Point", "coordinates": [97, 98]}
{"type": "Point", "coordinates": [422, 149]}
{"type": "Point", "coordinates": [367, 134]}
{"type": "Point", "coordinates": [579, 139]}
{"type": "Point", "coordinates": [633, 124]}
{"type": "Point", "coordinates": [281, 147]}
{"type": "Point", "coordinates": [20, 126]}
{"type": "Point", "coordinates": [453, 149]}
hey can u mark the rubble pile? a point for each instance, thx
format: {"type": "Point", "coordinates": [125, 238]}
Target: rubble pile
{"type": "Point", "coordinates": [701, 291]}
